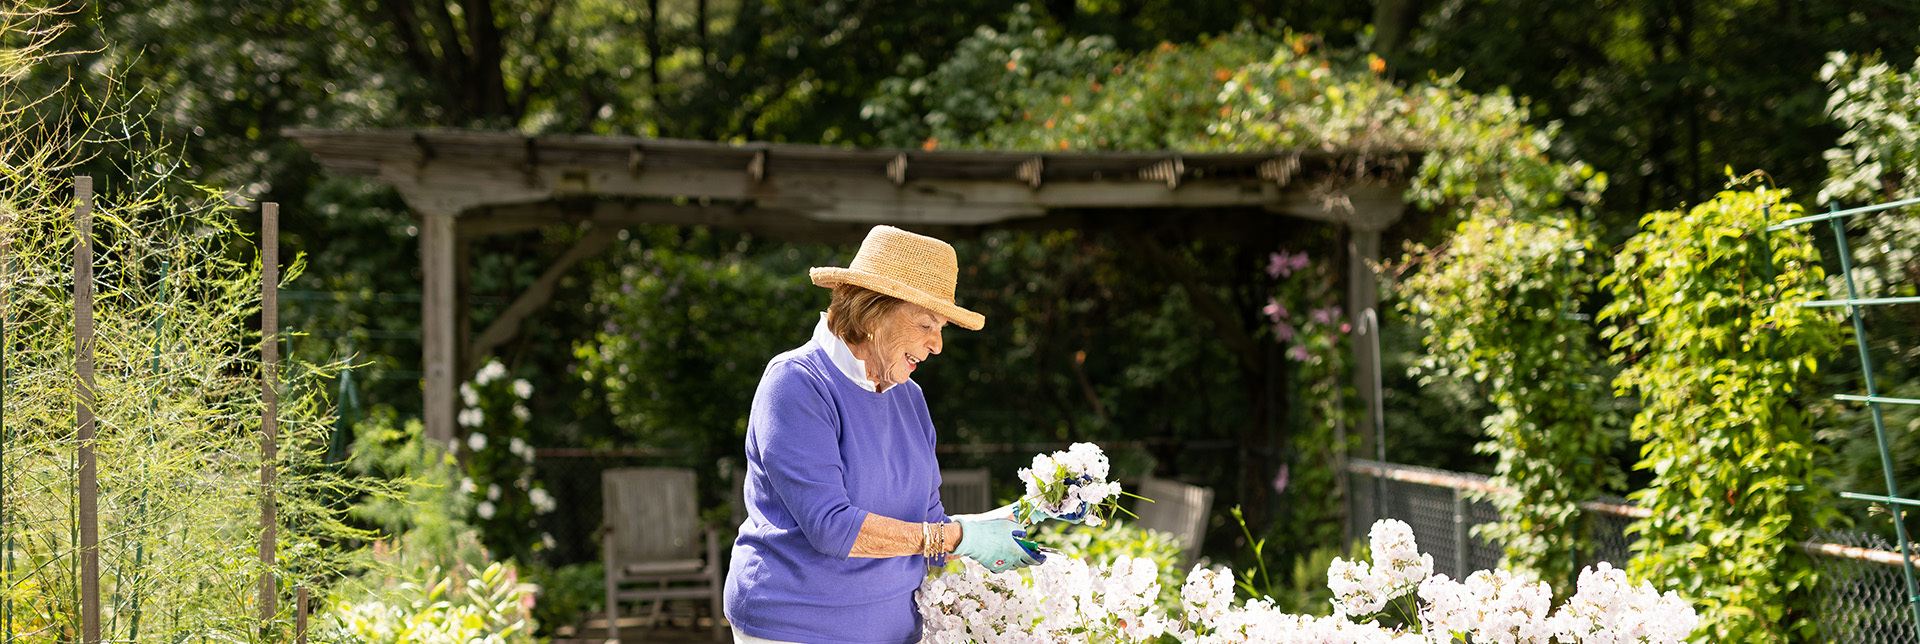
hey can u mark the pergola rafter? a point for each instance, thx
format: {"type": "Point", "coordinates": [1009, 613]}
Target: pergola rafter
{"type": "Point", "coordinates": [465, 184]}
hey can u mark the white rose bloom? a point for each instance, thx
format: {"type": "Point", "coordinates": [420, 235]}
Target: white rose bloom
{"type": "Point", "coordinates": [468, 395]}
{"type": "Point", "coordinates": [477, 441]}
{"type": "Point", "coordinates": [472, 417]}
{"type": "Point", "coordinates": [467, 486]}
{"type": "Point", "coordinates": [520, 412]}
{"type": "Point", "coordinates": [485, 509]}
{"type": "Point", "coordinates": [542, 501]}
{"type": "Point", "coordinates": [493, 371]}
{"type": "Point", "coordinates": [522, 388]}
{"type": "Point", "coordinates": [493, 491]}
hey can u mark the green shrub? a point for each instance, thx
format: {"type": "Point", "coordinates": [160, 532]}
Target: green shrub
{"type": "Point", "coordinates": [431, 579]}
{"type": "Point", "coordinates": [485, 606]}
{"type": "Point", "coordinates": [1707, 319]}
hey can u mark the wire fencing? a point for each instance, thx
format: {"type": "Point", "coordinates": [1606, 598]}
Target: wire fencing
{"type": "Point", "coordinates": [1861, 588]}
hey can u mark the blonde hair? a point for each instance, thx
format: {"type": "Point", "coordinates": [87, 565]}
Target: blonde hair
{"type": "Point", "coordinates": [855, 312]}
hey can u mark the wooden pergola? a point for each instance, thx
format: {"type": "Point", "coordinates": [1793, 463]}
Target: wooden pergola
{"type": "Point", "coordinates": [466, 184]}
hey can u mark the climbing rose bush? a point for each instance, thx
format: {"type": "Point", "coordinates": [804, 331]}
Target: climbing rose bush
{"type": "Point", "coordinates": [1067, 600]}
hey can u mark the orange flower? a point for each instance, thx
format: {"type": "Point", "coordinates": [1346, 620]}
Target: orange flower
{"type": "Point", "coordinates": [1049, 124]}
{"type": "Point", "coordinates": [1063, 144]}
{"type": "Point", "coordinates": [1222, 75]}
{"type": "Point", "coordinates": [1376, 63]}
{"type": "Point", "coordinates": [1013, 65]}
{"type": "Point", "coordinates": [931, 143]}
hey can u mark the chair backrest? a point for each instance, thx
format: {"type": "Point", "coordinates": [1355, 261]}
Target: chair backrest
{"type": "Point", "coordinates": [1177, 509]}
{"type": "Point", "coordinates": [652, 513]}
{"type": "Point", "coordinates": [965, 491]}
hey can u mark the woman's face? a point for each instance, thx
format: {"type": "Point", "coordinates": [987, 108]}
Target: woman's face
{"type": "Point", "coordinates": [903, 339]}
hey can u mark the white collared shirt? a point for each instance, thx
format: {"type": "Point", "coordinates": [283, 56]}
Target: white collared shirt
{"type": "Point", "coordinates": [842, 355]}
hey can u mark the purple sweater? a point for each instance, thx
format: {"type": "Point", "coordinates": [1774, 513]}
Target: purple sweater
{"type": "Point", "coordinates": [822, 453]}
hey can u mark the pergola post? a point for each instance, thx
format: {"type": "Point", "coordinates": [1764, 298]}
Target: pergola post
{"type": "Point", "coordinates": [1363, 294]}
{"type": "Point", "coordinates": [439, 332]}
{"type": "Point", "coordinates": [1374, 208]}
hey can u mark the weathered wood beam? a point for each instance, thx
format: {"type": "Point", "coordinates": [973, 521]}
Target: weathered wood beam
{"type": "Point", "coordinates": [538, 294]}
{"type": "Point", "coordinates": [447, 186]}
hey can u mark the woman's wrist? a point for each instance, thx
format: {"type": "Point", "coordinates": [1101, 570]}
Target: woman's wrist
{"type": "Point", "coordinates": [951, 533]}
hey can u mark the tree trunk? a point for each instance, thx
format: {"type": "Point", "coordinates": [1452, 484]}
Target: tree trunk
{"type": "Point", "coordinates": [1393, 24]}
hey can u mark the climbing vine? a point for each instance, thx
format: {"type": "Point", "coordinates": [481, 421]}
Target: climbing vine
{"type": "Point", "coordinates": [1497, 307]}
{"type": "Point", "coordinates": [1707, 320]}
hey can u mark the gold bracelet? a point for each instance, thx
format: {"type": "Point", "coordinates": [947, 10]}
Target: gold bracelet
{"type": "Point", "coordinates": [926, 540]}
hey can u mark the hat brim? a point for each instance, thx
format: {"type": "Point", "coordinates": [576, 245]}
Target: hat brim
{"type": "Point", "coordinates": [832, 276]}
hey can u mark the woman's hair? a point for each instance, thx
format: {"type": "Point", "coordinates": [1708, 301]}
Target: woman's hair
{"type": "Point", "coordinates": [856, 312]}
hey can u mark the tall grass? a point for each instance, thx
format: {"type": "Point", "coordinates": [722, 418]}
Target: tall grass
{"type": "Point", "coordinates": [177, 381]}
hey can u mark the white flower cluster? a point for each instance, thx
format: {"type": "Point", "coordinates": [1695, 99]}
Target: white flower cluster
{"type": "Point", "coordinates": [1071, 483]}
{"type": "Point", "coordinates": [1492, 606]}
{"type": "Point", "coordinates": [1608, 609]}
{"type": "Point", "coordinates": [1360, 590]}
{"type": "Point", "coordinates": [1064, 600]}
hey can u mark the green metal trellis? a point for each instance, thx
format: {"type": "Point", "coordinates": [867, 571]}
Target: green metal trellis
{"type": "Point", "coordinates": [1873, 399]}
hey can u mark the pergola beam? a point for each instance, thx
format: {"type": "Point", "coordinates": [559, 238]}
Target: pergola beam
{"type": "Point", "coordinates": [466, 184]}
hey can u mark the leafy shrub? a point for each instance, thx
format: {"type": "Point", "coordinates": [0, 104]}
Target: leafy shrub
{"type": "Point", "coordinates": [1498, 305]}
{"type": "Point", "coordinates": [487, 606]}
{"type": "Point", "coordinates": [1707, 319]}
{"type": "Point", "coordinates": [431, 579]}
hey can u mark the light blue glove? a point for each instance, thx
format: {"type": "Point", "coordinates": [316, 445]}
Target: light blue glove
{"type": "Point", "coordinates": [992, 544]}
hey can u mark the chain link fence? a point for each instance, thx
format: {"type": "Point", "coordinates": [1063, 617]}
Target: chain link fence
{"type": "Point", "coordinates": [1861, 589]}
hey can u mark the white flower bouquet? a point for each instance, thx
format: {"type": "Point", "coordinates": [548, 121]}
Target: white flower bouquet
{"type": "Point", "coordinates": [1069, 486]}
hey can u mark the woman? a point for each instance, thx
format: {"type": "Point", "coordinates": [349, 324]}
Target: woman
{"type": "Point", "coordinates": [842, 488]}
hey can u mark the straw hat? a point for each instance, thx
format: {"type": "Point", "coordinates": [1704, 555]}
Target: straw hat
{"type": "Point", "coordinates": [915, 268]}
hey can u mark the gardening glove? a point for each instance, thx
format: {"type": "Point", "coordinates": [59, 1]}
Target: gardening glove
{"type": "Point", "coordinates": [992, 543]}
{"type": "Point", "coordinates": [1003, 512]}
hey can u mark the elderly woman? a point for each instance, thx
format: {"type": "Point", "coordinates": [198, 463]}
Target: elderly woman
{"type": "Point", "coordinates": [842, 488]}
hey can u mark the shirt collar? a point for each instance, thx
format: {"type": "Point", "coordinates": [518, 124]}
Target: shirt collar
{"type": "Point", "coordinates": [853, 368]}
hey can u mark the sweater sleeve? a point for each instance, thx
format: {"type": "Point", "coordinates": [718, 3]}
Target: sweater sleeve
{"type": "Point", "coordinates": [799, 441]}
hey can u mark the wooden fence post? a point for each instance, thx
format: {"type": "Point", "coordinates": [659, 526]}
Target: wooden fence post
{"type": "Point", "coordinates": [89, 483]}
{"type": "Point", "coordinates": [270, 396]}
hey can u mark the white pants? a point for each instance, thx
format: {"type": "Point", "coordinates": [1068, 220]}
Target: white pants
{"type": "Point", "coordinates": [743, 638]}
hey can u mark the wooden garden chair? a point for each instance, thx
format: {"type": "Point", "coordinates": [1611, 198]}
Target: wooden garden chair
{"type": "Point", "coordinates": [653, 544]}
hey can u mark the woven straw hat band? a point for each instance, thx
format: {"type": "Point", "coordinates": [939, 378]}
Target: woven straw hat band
{"type": "Point", "coordinates": [914, 268]}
